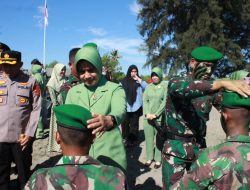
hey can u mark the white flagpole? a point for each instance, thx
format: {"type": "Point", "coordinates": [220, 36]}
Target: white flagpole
{"type": "Point", "coordinates": [44, 33]}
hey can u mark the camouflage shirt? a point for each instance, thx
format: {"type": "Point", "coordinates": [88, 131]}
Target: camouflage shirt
{"type": "Point", "coordinates": [69, 83]}
{"type": "Point", "coordinates": [203, 106]}
{"type": "Point", "coordinates": [182, 117]}
{"type": "Point", "coordinates": [77, 172]}
{"type": "Point", "coordinates": [225, 166]}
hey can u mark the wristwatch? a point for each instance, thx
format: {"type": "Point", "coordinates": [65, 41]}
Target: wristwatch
{"type": "Point", "coordinates": [113, 120]}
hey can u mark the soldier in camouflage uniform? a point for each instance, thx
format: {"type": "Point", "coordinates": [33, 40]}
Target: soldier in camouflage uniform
{"type": "Point", "coordinates": [73, 78]}
{"type": "Point", "coordinates": [227, 165]}
{"type": "Point", "coordinates": [183, 120]}
{"type": "Point", "coordinates": [76, 170]}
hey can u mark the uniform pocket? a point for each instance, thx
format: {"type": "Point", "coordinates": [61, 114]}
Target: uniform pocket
{"type": "Point", "coordinates": [3, 97]}
{"type": "Point", "coordinates": [22, 97]}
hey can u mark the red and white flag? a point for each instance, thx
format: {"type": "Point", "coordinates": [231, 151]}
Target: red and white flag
{"type": "Point", "coordinates": [46, 22]}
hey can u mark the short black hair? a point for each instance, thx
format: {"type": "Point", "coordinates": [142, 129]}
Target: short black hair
{"type": "Point", "coordinates": [73, 52]}
{"type": "Point", "coordinates": [241, 114]}
{"type": "Point", "coordinates": [36, 62]}
{"type": "Point", "coordinates": [73, 137]}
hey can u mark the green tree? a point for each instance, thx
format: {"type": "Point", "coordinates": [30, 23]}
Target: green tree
{"type": "Point", "coordinates": [51, 65]}
{"type": "Point", "coordinates": [172, 28]}
{"type": "Point", "coordinates": [112, 65]}
{"type": "Point", "coordinates": [145, 77]}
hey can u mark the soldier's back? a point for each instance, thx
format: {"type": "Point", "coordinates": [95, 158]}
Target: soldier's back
{"type": "Point", "coordinates": [78, 173]}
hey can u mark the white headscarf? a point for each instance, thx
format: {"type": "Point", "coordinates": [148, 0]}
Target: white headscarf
{"type": "Point", "coordinates": [56, 80]}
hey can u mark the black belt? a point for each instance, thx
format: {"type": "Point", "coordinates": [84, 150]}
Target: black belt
{"type": "Point", "coordinates": [168, 135]}
{"type": "Point", "coordinates": [171, 136]}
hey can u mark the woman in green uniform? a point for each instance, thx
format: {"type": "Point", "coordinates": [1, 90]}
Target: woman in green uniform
{"type": "Point", "coordinates": [106, 101]}
{"type": "Point", "coordinates": [154, 101]}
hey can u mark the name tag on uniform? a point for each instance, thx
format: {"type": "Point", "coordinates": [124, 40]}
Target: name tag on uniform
{"type": "Point", "coordinates": [23, 87]}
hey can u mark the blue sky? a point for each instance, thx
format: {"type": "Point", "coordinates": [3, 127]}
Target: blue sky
{"type": "Point", "coordinates": [112, 24]}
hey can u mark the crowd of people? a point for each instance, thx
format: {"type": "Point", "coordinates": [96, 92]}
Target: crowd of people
{"type": "Point", "coordinates": [88, 108]}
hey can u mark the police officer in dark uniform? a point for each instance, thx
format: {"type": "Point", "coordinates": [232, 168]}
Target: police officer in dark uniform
{"type": "Point", "coordinates": [20, 105]}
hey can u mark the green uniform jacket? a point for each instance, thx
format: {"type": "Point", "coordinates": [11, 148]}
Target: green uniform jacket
{"type": "Point", "coordinates": [69, 83]}
{"type": "Point", "coordinates": [108, 99]}
{"type": "Point", "coordinates": [154, 99]}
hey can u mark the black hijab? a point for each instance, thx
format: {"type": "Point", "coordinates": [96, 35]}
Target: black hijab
{"type": "Point", "coordinates": [130, 85]}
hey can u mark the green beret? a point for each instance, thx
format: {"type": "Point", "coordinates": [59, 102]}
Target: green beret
{"type": "Point", "coordinates": [91, 55]}
{"type": "Point", "coordinates": [205, 53]}
{"type": "Point", "coordinates": [72, 116]}
{"type": "Point", "coordinates": [234, 100]}
{"type": "Point", "coordinates": [90, 44]}
{"type": "Point", "coordinates": [10, 57]}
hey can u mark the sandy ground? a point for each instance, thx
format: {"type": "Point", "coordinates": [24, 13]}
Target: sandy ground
{"type": "Point", "coordinates": [139, 177]}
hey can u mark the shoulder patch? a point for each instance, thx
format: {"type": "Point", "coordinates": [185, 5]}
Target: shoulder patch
{"type": "Point", "coordinates": [36, 89]}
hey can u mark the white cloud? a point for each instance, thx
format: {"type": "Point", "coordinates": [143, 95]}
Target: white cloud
{"type": "Point", "coordinates": [127, 48]}
{"type": "Point", "coordinates": [123, 45]}
{"type": "Point", "coordinates": [135, 8]}
{"type": "Point", "coordinates": [39, 19]}
{"type": "Point", "coordinates": [97, 31]}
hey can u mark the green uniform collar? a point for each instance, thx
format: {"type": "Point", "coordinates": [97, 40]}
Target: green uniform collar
{"type": "Point", "coordinates": [239, 138]}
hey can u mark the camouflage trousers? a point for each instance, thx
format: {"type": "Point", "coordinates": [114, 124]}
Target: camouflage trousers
{"type": "Point", "coordinates": [177, 157]}
{"type": "Point", "coordinates": [171, 172]}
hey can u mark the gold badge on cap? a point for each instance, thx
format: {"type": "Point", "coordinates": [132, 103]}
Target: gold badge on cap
{"type": "Point", "coordinates": [6, 55]}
